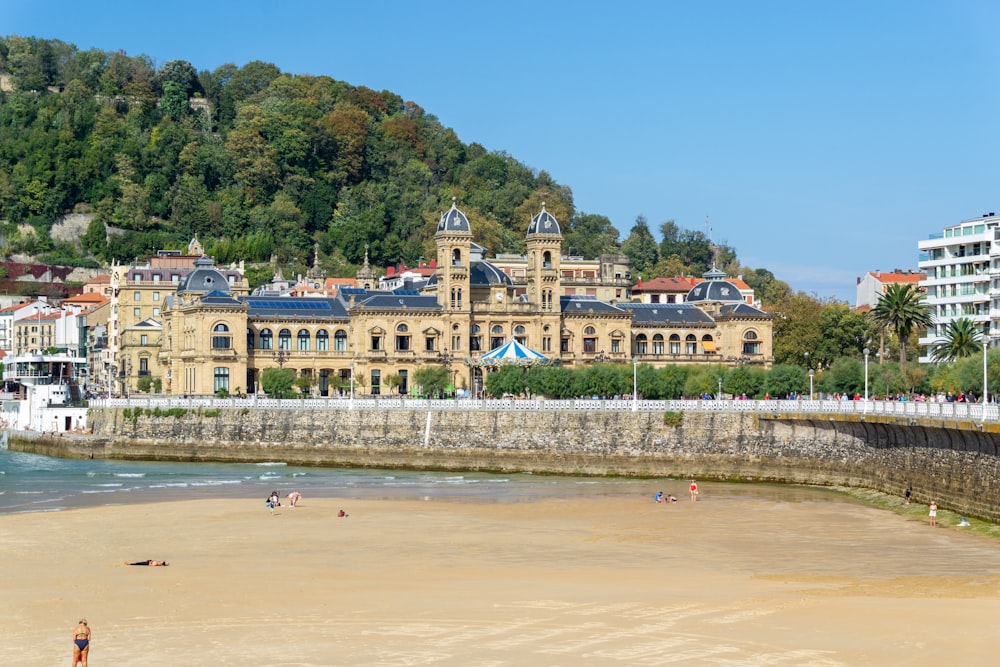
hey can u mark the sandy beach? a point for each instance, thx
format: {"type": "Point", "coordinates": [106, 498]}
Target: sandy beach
{"type": "Point", "coordinates": [553, 582]}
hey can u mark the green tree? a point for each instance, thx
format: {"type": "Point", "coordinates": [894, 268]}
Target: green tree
{"type": "Point", "coordinates": [961, 339]}
{"type": "Point", "coordinates": [432, 379]}
{"type": "Point", "coordinates": [640, 246]}
{"type": "Point", "coordinates": [901, 308]}
{"type": "Point", "coordinates": [277, 382]}
{"type": "Point", "coordinates": [174, 100]}
{"type": "Point", "coordinates": [590, 236]}
{"type": "Point", "coordinates": [785, 379]}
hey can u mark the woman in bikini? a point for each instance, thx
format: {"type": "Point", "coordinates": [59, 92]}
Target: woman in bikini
{"type": "Point", "coordinates": [81, 643]}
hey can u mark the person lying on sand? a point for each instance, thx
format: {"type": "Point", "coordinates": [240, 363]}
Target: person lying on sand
{"type": "Point", "coordinates": [150, 563]}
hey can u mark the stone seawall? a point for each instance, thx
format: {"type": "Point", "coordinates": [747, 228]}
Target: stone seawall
{"type": "Point", "coordinates": [955, 463]}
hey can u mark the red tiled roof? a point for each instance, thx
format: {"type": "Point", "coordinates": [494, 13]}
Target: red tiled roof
{"type": "Point", "coordinates": [888, 278]}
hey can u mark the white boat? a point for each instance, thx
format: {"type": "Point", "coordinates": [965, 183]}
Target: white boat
{"type": "Point", "coordinates": [43, 392]}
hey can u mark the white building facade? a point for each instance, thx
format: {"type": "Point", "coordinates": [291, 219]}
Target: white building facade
{"type": "Point", "coordinates": [963, 278]}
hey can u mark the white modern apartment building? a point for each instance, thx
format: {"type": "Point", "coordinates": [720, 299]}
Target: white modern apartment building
{"type": "Point", "coordinates": [963, 277]}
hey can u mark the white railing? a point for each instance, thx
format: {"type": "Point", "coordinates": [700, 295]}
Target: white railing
{"type": "Point", "coordinates": [966, 411]}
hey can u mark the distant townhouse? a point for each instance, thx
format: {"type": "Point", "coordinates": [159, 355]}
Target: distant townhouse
{"type": "Point", "coordinates": [871, 286]}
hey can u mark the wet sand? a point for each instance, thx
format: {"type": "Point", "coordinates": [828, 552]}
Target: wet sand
{"type": "Point", "coordinates": [725, 581]}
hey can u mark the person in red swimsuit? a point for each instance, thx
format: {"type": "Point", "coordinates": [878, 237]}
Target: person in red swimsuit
{"type": "Point", "coordinates": [694, 490]}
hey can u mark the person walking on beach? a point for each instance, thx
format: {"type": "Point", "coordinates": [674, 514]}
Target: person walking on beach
{"type": "Point", "coordinates": [81, 643]}
{"type": "Point", "coordinates": [908, 492]}
{"type": "Point", "coordinates": [293, 498]}
{"type": "Point", "coordinates": [933, 513]}
{"type": "Point", "coordinates": [694, 490]}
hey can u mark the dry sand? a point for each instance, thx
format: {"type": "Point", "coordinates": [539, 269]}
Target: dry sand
{"type": "Point", "coordinates": [554, 582]}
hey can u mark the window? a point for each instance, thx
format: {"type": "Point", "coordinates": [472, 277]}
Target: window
{"type": "Point", "coordinates": [402, 338]}
{"type": "Point", "coordinates": [322, 340]}
{"type": "Point", "coordinates": [404, 382]}
{"type": "Point", "coordinates": [250, 338]}
{"type": "Point", "coordinates": [376, 382]}
{"type": "Point", "coordinates": [303, 340]}
{"type": "Point", "coordinates": [616, 345]}
{"type": "Point", "coordinates": [143, 339]}
{"type": "Point", "coordinates": [429, 343]}
{"type": "Point", "coordinates": [266, 340]}
{"type": "Point", "coordinates": [658, 344]}
{"type": "Point", "coordinates": [340, 341]}
{"type": "Point", "coordinates": [708, 344]}
{"type": "Point", "coordinates": [156, 312]}
{"type": "Point", "coordinates": [137, 296]}
{"type": "Point", "coordinates": [546, 343]}
{"type": "Point", "coordinates": [376, 342]}
{"type": "Point", "coordinates": [143, 366]}
{"type": "Point", "coordinates": [156, 277]}
{"type": "Point", "coordinates": [496, 336]}
{"type": "Point", "coordinates": [750, 343]}
{"type": "Point", "coordinates": [221, 340]}
{"type": "Point", "coordinates": [521, 335]}
{"type": "Point", "coordinates": [641, 344]}
{"type": "Point", "coordinates": [284, 339]}
{"type": "Point", "coordinates": [475, 338]}
{"type": "Point", "coordinates": [137, 313]}
{"type": "Point", "coordinates": [675, 344]}
{"type": "Point", "coordinates": [691, 344]}
{"type": "Point", "coordinates": [221, 379]}
{"type": "Point", "coordinates": [156, 296]}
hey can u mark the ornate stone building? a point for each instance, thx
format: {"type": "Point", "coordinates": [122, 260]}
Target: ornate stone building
{"type": "Point", "coordinates": [215, 336]}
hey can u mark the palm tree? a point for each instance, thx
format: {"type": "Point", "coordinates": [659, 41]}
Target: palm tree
{"type": "Point", "coordinates": [902, 309]}
{"type": "Point", "coordinates": [961, 339]}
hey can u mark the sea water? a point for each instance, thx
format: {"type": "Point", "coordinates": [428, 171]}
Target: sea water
{"type": "Point", "coordinates": [35, 483]}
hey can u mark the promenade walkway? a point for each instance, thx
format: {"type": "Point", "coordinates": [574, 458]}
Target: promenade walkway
{"type": "Point", "coordinates": [914, 409]}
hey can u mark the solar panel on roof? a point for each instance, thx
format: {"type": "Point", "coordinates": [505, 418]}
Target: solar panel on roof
{"type": "Point", "coordinates": [290, 304]}
{"type": "Point", "coordinates": [406, 292]}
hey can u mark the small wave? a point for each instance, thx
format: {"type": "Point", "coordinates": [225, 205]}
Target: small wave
{"type": "Point", "coordinates": [299, 474]}
{"type": "Point", "coordinates": [169, 485]}
{"type": "Point", "coordinates": [130, 474]}
{"type": "Point", "coordinates": [217, 482]}
{"type": "Point", "coordinates": [111, 484]}
{"type": "Point", "coordinates": [91, 491]}
{"type": "Point", "coordinates": [269, 476]}
{"type": "Point", "coordinates": [272, 463]}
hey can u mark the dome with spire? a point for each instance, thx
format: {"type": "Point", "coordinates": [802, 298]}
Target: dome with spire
{"type": "Point", "coordinates": [204, 278]}
{"type": "Point", "coordinates": [453, 220]}
{"type": "Point", "coordinates": [544, 223]}
{"type": "Point", "coordinates": [714, 289]}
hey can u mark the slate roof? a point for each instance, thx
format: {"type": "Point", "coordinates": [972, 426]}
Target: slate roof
{"type": "Point", "coordinates": [667, 313]}
{"type": "Point", "coordinates": [543, 223]}
{"type": "Point", "coordinates": [742, 309]}
{"type": "Point", "coordinates": [387, 300]}
{"type": "Point", "coordinates": [453, 220]}
{"type": "Point", "coordinates": [581, 304]}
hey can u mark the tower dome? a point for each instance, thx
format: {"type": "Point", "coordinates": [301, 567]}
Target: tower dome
{"type": "Point", "coordinates": [204, 278]}
{"type": "Point", "coordinates": [453, 220]}
{"type": "Point", "coordinates": [544, 223]}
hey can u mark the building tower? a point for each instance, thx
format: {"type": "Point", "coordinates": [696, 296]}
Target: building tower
{"type": "Point", "coordinates": [544, 245]}
{"type": "Point", "coordinates": [453, 239]}
{"type": "Point", "coordinates": [366, 274]}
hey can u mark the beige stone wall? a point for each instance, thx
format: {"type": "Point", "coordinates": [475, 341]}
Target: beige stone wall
{"type": "Point", "coordinates": [956, 464]}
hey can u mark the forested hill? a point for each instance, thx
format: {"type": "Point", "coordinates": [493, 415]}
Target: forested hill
{"type": "Point", "coordinates": [257, 162]}
{"type": "Point", "coordinates": [252, 160]}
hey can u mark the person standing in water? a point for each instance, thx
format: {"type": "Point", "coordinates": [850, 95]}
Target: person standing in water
{"type": "Point", "coordinates": [694, 490]}
{"type": "Point", "coordinates": [81, 643]}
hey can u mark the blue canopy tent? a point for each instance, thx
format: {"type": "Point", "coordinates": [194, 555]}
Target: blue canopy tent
{"type": "Point", "coordinates": [510, 353]}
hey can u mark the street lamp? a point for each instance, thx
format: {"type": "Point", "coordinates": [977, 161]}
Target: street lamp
{"type": "Point", "coordinates": [811, 373]}
{"type": "Point", "coordinates": [718, 396]}
{"type": "Point", "coordinates": [986, 391]}
{"type": "Point", "coordinates": [635, 385]}
{"type": "Point", "coordinates": [280, 357]}
{"type": "Point", "coordinates": [867, 352]}
{"type": "Point", "coordinates": [601, 357]}
{"type": "Point", "coordinates": [445, 360]}
{"type": "Point", "coordinates": [352, 385]}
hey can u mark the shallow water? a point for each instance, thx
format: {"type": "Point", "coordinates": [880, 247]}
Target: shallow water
{"type": "Point", "coordinates": [34, 483]}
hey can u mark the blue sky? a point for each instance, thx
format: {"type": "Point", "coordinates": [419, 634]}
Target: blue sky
{"type": "Point", "coordinates": [821, 140]}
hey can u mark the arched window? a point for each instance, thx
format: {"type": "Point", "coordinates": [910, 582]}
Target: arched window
{"type": "Point", "coordinates": [641, 344]}
{"type": "Point", "coordinates": [658, 344]}
{"type": "Point", "coordinates": [589, 331]}
{"type": "Point", "coordinates": [475, 338]}
{"type": "Point", "coordinates": [521, 335]}
{"type": "Point", "coordinates": [322, 341]}
{"type": "Point", "coordinates": [340, 341]}
{"type": "Point", "coordinates": [546, 260]}
{"type": "Point", "coordinates": [496, 336]}
{"type": "Point", "coordinates": [284, 339]}
{"type": "Point", "coordinates": [456, 257]}
{"type": "Point", "coordinates": [221, 340]}
{"type": "Point", "coordinates": [708, 344]}
{"type": "Point", "coordinates": [302, 340]}
{"type": "Point", "coordinates": [674, 347]}
{"type": "Point", "coordinates": [691, 344]}
{"type": "Point", "coordinates": [750, 343]}
{"type": "Point", "coordinates": [402, 338]}
{"type": "Point", "coordinates": [266, 340]}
